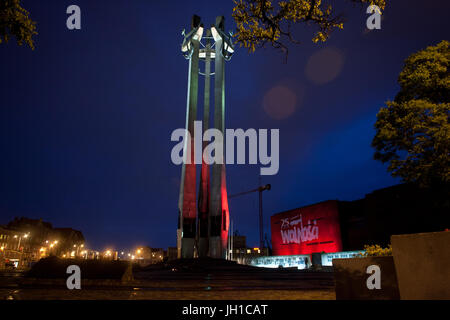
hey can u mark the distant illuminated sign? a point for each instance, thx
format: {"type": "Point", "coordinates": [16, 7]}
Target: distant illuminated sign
{"type": "Point", "coordinates": [327, 258]}
{"type": "Point", "coordinates": [297, 261]}
{"type": "Point", "coordinates": [307, 230]}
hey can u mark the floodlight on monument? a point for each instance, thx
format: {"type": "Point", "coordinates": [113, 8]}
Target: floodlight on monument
{"type": "Point", "coordinates": [227, 46]}
{"type": "Point", "coordinates": [187, 47]}
{"type": "Point", "coordinates": [198, 35]}
{"type": "Point", "coordinates": [228, 49]}
{"type": "Point", "coordinates": [215, 34]}
{"type": "Point", "coordinates": [195, 34]}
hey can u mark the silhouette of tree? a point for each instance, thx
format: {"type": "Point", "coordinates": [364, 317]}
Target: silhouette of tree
{"type": "Point", "coordinates": [262, 22]}
{"type": "Point", "coordinates": [413, 131]}
{"type": "Point", "coordinates": [15, 21]}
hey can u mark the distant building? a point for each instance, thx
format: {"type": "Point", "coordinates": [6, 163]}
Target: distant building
{"type": "Point", "coordinates": [144, 256]}
{"type": "Point", "coordinates": [241, 253]}
{"type": "Point", "coordinates": [70, 242]}
{"type": "Point", "coordinates": [306, 230]}
{"type": "Point", "coordinates": [172, 253]}
{"type": "Point", "coordinates": [334, 226]}
{"type": "Point", "coordinates": [157, 255]}
{"type": "Point", "coordinates": [39, 230]}
{"type": "Point", "coordinates": [239, 241]}
{"type": "Point", "coordinates": [15, 250]}
{"type": "Point", "coordinates": [25, 241]}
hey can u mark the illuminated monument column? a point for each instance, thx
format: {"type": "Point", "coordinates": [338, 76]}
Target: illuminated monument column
{"type": "Point", "coordinates": [209, 236]}
{"type": "Point", "coordinates": [218, 210]}
{"type": "Point", "coordinates": [187, 200]}
{"type": "Point", "coordinates": [204, 193]}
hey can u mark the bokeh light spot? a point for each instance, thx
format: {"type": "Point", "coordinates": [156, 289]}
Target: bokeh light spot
{"type": "Point", "coordinates": [279, 102]}
{"type": "Point", "coordinates": [324, 65]}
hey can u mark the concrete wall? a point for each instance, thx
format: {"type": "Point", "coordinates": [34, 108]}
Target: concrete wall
{"type": "Point", "coordinates": [351, 279]}
{"type": "Point", "coordinates": [422, 263]}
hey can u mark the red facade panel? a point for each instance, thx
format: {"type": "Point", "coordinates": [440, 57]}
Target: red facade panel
{"type": "Point", "coordinates": [307, 230]}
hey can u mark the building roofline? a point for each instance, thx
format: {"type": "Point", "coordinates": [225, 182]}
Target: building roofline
{"type": "Point", "coordinates": [304, 207]}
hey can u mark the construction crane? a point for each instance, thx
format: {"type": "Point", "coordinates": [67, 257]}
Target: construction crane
{"type": "Point", "coordinates": [260, 190]}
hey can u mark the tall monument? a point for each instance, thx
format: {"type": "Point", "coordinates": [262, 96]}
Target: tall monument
{"type": "Point", "coordinates": [205, 234]}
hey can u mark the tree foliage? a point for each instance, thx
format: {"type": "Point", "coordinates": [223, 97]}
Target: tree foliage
{"type": "Point", "coordinates": [413, 131]}
{"type": "Point", "coordinates": [15, 21]}
{"type": "Point", "coordinates": [261, 22]}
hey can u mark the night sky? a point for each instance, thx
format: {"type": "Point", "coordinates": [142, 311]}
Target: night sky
{"type": "Point", "coordinates": [86, 117]}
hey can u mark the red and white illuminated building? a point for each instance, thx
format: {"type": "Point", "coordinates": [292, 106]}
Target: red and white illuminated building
{"type": "Point", "coordinates": [340, 229]}
{"type": "Point", "coordinates": [307, 230]}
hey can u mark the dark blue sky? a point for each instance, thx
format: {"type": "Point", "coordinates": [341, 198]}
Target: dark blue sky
{"type": "Point", "coordinates": [86, 118]}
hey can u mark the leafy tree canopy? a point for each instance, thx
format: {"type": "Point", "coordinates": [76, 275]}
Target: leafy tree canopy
{"type": "Point", "coordinates": [15, 21]}
{"type": "Point", "coordinates": [261, 22]}
{"type": "Point", "coordinates": [413, 131]}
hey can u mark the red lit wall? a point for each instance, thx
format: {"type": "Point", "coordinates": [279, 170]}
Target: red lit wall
{"type": "Point", "coordinates": [307, 230]}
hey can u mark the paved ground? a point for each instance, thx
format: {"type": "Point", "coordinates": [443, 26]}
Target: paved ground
{"type": "Point", "coordinates": [181, 282]}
